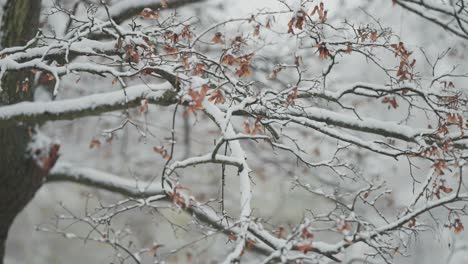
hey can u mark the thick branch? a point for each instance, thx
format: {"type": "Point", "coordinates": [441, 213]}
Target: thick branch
{"type": "Point", "coordinates": [63, 172]}
{"type": "Point", "coordinates": [67, 172]}
{"type": "Point", "coordinates": [161, 94]}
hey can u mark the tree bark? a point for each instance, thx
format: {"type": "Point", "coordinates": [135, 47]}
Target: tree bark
{"type": "Point", "coordinates": [20, 177]}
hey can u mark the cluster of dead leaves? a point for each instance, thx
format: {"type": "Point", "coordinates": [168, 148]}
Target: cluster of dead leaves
{"type": "Point", "coordinates": [257, 127]}
{"type": "Point", "coordinates": [218, 38]}
{"type": "Point", "coordinates": [323, 51]}
{"type": "Point", "coordinates": [249, 243]}
{"type": "Point", "coordinates": [297, 21]}
{"type": "Point", "coordinates": [439, 166]}
{"type": "Point", "coordinates": [405, 68]}
{"type": "Point", "coordinates": [243, 63]}
{"type": "Point", "coordinates": [428, 152]}
{"type": "Point", "coordinates": [237, 43]}
{"type": "Point", "coordinates": [131, 53]}
{"type": "Point", "coordinates": [306, 247]}
{"type": "Point", "coordinates": [306, 234]}
{"type": "Point", "coordinates": [451, 101]}
{"type": "Point", "coordinates": [343, 227]}
{"type": "Point", "coordinates": [365, 33]}
{"type": "Point", "coordinates": [171, 50]}
{"type": "Point", "coordinates": [149, 13]}
{"type": "Point", "coordinates": [197, 99]}
{"type": "Point", "coordinates": [291, 97]}
{"type": "Point", "coordinates": [199, 69]}
{"type": "Point", "coordinates": [275, 72]}
{"type": "Point", "coordinates": [216, 96]}
{"type": "Point", "coordinates": [391, 101]}
{"type": "Point", "coordinates": [173, 38]}
{"type": "Point", "coordinates": [349, 48]}
{"type": "Point", "coordinates": [95, 143]}
{"type": "Point", "coordinates": [163, 151]}
{"type": "Point", "coordinates": [321, 12]}
{"type": "Point", "coordinates": [178, 199]}
{"type": "Point", "coordinates": [48, 160]}
{"type": "Point", "coordinates": [186, 32]}
{"type": "Point", "coordinates": [453, 119]}
{"type": "Point", "coordinates": [229, 59]}
{"type": "Point", "coordinates": [458, 226]}
{"type": "Point", "coordinates": [441, 188]}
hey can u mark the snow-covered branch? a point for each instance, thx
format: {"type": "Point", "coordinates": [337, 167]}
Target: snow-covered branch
{"type": "Point", "coordinates": [285, 118]}
{"type": "Point", "coordinates": [67, 172]}
{"type": "Point", "coordinates": [161, 94]}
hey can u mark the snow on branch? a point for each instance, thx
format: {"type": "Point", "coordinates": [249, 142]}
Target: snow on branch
{"type": "Point", "coordinates": [228, 131]}
{"type": "Point", "coordinates": [66, 172]}
{"type": "Point", "coordinates": [161, 94]}
{"type": "Point", "coordinates": [209, 71]}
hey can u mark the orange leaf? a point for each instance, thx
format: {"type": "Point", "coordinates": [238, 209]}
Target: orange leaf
{"type": "Point", "coordinates": [218, 38]}
{"type": "Point", "coordinates": [373, 36]}
{"type": "Point", "coordinates": [247, 127]}
{"type": "Point", "coordinates": [349, 48]}
{"type": "Point", "coordinates": [390, 100]}
{"type": "Point", "coordinates": [153, 249]}
{"type": "Point", "coordinates": [171, 50]}
{"type": "Point", "coordinates": [148, 13]}
{"type": "Point", "coordinates": [186, 32]}
{"type": "Point", "coordinates": [306, 234]}
{"type": "Point", "coordinates": [257, 126]}
{"type": "Point", "coordinates": [95, 143]}
{"type": "Point", "coordinates": [217, 97]}
{"type": "Point", "coordinates": [458, 226]}
{"type": "Point", "coordinates": [275, 72]}
{"type": "Point", "coordinates": [199, 68]}
{"type": "Point", "coordinates": [232, 237]}
{"type": "Point", "coordinates": [305, 247]}
{"type": "Point", "coordinates": [324, 53]}
{"type": "Point", "coordinates": [229, 59]}
{"type": "Point", "coordinates": [143, 108]}
{"type": "Point", "coordinates": [164, 153]}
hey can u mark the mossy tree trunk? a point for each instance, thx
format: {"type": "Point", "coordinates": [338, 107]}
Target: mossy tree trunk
{"type": "Point", "coordinates": [20, 177]}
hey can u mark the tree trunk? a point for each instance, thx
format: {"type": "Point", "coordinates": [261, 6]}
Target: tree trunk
{"type": "Point", "coordinates": [20, 177]}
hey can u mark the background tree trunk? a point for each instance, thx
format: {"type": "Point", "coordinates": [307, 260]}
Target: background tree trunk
{"type": "Point", "coordinates": [20, 177]}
